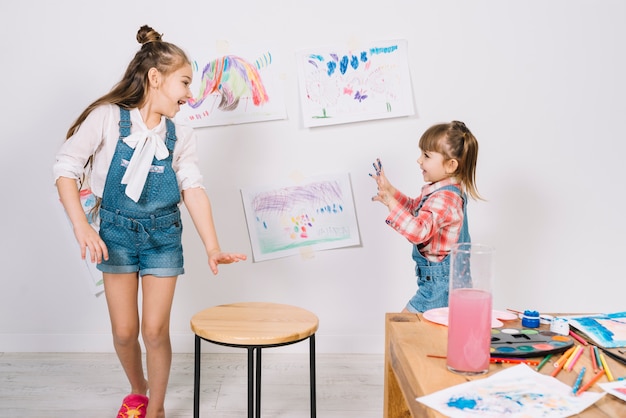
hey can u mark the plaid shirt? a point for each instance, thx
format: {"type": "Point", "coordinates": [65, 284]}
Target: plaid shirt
{"type": "Point", "coordinates": [437, 225]}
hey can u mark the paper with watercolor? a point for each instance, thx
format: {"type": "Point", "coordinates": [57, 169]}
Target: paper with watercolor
{"type": "Point", "coordinates": [93, 275]}
{"type": "Point", "coordinates": [233, 87]}
{"type": "Point", "coordinates": [314, 214]}
{"type": "Point", "coordinates": [606, 330]}
{"type": "Point", "coordinates": [349, 84]}
{"type": "Point", "coordinates": [616, 388]}
{"type": "Point", "coordinates": [515, 392]}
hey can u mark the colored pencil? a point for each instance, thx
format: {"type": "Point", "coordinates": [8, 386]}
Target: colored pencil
{"type": "Point", "coordinates": [578, 338]}
{"type": "Point", "coordinates": [596, 350]}
{"type": "Point", "coordinates": [544, 362]}
{"type": "Point", "coordinates": [579, 380]}
{"type": "Point", "coordinates": [594, 363]}
{"type": "Point", "coordinates": [590, 383]}
{"type": "Point", "coordinates": [509, 360]}
{"type": "Point", "coordinates": [605, 366]}
{"type": "Point", "coordinates": [577, 355]}
{"type": "Point", "coordinates": [571, 358]}
{"type": "Point", "coordinates": [561, 361]}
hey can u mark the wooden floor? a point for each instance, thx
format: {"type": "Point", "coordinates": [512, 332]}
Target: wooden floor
{"type": "Point", "coordinates": [60, 385]}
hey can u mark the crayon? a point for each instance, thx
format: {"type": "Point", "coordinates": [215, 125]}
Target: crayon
{"type": "Point", "coordinates": [543, 362]}
{"type": "Point", "coordinates": [508, 360]}
{"type": "Point", "coordinates": [605, 366]}
{"type": "Point", "coordinates": [571, 358]}
{"type": "Point", "coordinates": [590, 383]}
{"type": "Point", "coordinates": [576, 356]}
{"type": "Point", "coordinates": [579, 380]}
{"type": "Point", "coordinates": [561, 361]}
{"type": "Point", "coordinates": [578, 338]}
{"type": "Point", "coordinates": [594, 363]}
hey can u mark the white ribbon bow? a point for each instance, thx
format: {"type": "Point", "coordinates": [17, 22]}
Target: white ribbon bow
{"type": "Point", "coordinates": [147, 145]}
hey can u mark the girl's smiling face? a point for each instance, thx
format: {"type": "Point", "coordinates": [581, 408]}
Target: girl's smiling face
{"type": "Point", "coordinates": [174, 91]}
{"type": "Point", "coordinates": [435, 167]}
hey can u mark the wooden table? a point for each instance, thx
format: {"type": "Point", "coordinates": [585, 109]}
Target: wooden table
{"type": "Point", "coordinates": [410, 373]}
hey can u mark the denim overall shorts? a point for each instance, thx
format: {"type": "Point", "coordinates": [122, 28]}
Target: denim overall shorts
{"type": "Point", "coordinates": [143, 236]}
{"type": "Point", "coordinates": [433, 277]}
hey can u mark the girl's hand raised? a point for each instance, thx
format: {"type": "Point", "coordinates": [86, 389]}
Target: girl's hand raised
{"type": "Point", "coordinates": [385, 190]}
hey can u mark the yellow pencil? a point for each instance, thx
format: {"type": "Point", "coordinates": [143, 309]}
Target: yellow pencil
{"type": "Point", "coordinates": [605, 366]}
{"type": "Point", "coordinates": [572, 358]}
{"type": "Point", "coordinates": [558, 365]}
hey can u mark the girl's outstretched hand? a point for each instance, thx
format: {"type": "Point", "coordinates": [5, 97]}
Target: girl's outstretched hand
{"type": "Point", "coordinates": [220, 257]}
{"type": "Point", "coordinates": [385, 190]}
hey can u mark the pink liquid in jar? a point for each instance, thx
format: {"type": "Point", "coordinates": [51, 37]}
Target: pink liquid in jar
{"type": "Point", "coordinates": [469, 331]}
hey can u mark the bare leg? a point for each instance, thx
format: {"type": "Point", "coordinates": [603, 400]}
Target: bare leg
{"type": "Point", "coordinates": [158, 293]}
{"type": "Point", "coordinates": [121, 295]}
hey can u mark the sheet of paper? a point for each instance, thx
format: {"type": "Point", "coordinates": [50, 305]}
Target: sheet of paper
{"type": "Point", "coordinates": [514, 392]}
{"type": "Point", "coordinates": [616, 388]}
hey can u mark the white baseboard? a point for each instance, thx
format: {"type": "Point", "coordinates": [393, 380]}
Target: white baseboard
{"type": "Point", "coordinates": [181, 343]}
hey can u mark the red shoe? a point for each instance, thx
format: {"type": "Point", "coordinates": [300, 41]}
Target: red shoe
{"type": "Point", "coordinates": [133, 406]}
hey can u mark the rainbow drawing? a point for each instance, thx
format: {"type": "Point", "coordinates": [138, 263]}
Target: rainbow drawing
{"type": "Point", "coordinates": [232, 78]}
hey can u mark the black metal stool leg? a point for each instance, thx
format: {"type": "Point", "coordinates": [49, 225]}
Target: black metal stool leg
{"type": "Point", "coordinates": [250, 382]}
{"type": "Point", "coordinates": [258, 382]}
{"type": "Point", "coordinates": [312, 373]}
{"type": "Point", "coordinates": [196, 380]}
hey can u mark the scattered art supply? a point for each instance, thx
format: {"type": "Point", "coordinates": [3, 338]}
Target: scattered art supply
{"type": "Point", "coordinates": [512, 360]}
{"type": "Point", "coordinates": [578, 381]}
{"type": "Point", "coordinates": [543, 362]}
{"type": "Point", "coordinates": [530, 319]}
{"type": "Point", "coordinates": [561, 361]}
{"type": "Point", "coordinates": [560, 326]}
{"type": "Point", "coordinates": [440, 316]}
{"type": "Point", "coordinates": [590, 383]}
{"type": "Point", "coordinates": [605, 367]}
{"type": "Point", "coordinates": [520, 342]}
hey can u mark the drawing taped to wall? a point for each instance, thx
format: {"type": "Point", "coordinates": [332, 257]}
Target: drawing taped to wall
{"type": "Point", "coordinates": [316, 214]}
{"type": "Point", "coordinates": [230, 89]}
{"type": "Point", "coordinates": [341, 85]}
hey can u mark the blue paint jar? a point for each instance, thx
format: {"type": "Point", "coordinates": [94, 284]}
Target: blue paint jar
{"type": "Point", "coordinates": [530, 319]}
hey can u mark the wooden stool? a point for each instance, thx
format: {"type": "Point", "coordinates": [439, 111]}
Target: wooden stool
{"type": "Point", "coordinates": [254, 326]}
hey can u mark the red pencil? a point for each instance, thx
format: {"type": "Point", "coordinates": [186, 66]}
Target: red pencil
{"type": "Point", "coordinates": [594, 362]}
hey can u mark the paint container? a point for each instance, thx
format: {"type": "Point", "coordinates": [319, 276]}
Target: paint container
{"type": "Point", "coordinates": [530, 319]}
{"type": "Point", "coordinates": [559, 326]}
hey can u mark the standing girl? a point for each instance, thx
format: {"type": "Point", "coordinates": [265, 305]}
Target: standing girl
{"type": "Point", "coordinates": [140, 165]}
{"type": "Point", "coordinates": [436, 220]}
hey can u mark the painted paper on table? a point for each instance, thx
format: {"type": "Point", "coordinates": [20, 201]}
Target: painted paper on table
{"type": "Point", "coordinates": [232, 88]}
{"type": "Point", "coordinates": [315, 214]}
{"type": "Point", "coordinates": [515, 392]}
{"type": "Point", "coordinates": [606, 330]}
{"type": "Point", "coordinates": [615, 388]}
{"type": "Point", "coordinates": [342, 85]}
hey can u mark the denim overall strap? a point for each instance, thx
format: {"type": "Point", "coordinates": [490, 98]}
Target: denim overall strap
{"type": "Point", "coordinates": [161, 193]}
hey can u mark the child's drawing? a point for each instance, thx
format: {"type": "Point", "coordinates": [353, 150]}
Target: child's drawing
{"type": "Point", "coordinates": [616, 388]}
{"type": "Point", "coordinates": [515, 392]}
{"type": "Point", "coordinates": [229, 89]}
{"type": "Point", "coordinates": [606, 330]}
{"type": "Point", "coordinates": [316, 214]}
{"type": "Point", "coordinates": [347, 85]}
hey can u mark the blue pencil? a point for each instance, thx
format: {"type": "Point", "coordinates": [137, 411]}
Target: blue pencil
{"type": "Point", "coordinates": [579, 380]}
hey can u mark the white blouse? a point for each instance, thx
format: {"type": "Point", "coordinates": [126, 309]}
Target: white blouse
{"type": "Point", "coordinates": [98, 136]}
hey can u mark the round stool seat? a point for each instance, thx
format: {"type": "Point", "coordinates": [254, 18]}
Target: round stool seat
{"type": "Point", "coordinates": [254, 326]}
{"type": "Point", "coordinates": [254, 323]}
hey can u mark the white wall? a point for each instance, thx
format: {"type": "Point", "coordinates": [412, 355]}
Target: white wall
{"type": "Point", "coordinates": [540, 83]}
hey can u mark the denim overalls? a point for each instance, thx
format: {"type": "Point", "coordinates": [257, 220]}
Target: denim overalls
{"type": "Point", "coordinates": [143, 236]}
{"type": "Point", "coordinates": [433, 277]}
